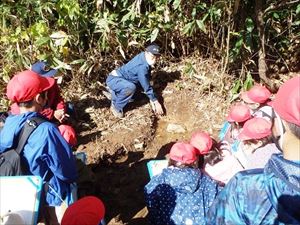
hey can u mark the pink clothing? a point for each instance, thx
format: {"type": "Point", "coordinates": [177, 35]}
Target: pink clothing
{"type": "Point", "coordinates": [225, 169]}
{"type": "Point", "coordinates": [265, 112]}
{"type": "Point", "coordinates": [261, 156]}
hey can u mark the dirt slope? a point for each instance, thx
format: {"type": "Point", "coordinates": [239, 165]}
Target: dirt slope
{"type": "Point", "coordinates": [118, 149]}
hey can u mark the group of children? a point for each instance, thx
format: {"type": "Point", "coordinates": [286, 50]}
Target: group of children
{"type": "Point", "coordinates": [51, 156]}
{"type": "Point", "coordinates": [246, 177]}
{"type": "Point", "coordinates": [47, 152]}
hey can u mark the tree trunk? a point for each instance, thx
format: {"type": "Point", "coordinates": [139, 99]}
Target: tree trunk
{"type": "Point", "coordinates": [236, 6]}
{"type": "Point", "coordinates": [262, 66]}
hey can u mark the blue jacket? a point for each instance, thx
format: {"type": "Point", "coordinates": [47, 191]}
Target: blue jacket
{"type": "Point", "coordinates": [179, 196]}
{"type": "Point", "coordinates": [46, 151]}
{"type": "Point", "coordinates": [260, 196]}
{"type": "Point", "coordinates": [137, 70]}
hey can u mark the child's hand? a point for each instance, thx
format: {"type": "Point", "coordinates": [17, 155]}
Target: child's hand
{"type": "Point", "coordinates": [60, 115]}
{"type": "Point", "coordinates": [225, 146]}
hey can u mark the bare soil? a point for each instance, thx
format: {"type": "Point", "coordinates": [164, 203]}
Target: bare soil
{"type": "Point", "coordinates": [196, 96]}
{"type": "Point", "coordinates": [118, 149]}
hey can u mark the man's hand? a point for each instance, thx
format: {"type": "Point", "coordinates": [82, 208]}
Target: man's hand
{"type": "Point", "coordinates": [157, 108]}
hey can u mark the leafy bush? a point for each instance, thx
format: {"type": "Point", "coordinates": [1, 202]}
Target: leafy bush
{"type": "Point", "coordinates": [89, 38]}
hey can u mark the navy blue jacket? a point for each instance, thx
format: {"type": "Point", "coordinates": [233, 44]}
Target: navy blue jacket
{"type": "Point", "coordinates": [137, 70]}
{"type": "Point", "coordinates": [180, 196]}
{"type": "Point", "coordinates": [46, 151]}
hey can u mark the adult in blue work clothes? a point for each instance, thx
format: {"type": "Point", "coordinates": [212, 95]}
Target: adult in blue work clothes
{"type": "Point", "coordinates": [123, 81]}
{"type": "Point", "coordinates": [46, 153]}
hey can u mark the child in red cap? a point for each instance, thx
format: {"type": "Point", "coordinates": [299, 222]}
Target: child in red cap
{"type": "Point", "coordinates": [236, 118]}
{"type": "Point", "coordinates": [181, 194]}
{"type": "Point", "coordinates": [202, 142]}
{"type": "Point", "coordinates": [45, 153]}
{"type": "Point", "coordinates": [270, 195]}
{"type": "Point", "coordinates": [256, 146]}
{"type": "Point", "coordinates": [55, 110]}
{"type": "Point", "coordinates": [88, 210]}
{"type": "Point", "coordinates": [256, 97]}
{"type": "Point", "coordinates": [254, 150]}
{"type": "Point", "coordinates": [218, 161]}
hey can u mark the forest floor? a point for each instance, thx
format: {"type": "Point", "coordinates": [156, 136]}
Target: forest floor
{"type": "Point", "coordinates": [118, 149]}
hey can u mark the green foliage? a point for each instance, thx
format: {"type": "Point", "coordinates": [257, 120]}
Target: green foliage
{"type": "Point", "coordinates": [68, 10]}
{"type": "Point", "coordinates": [89, 34]}
{"type": "Point", "coordinates": [240, 86]}
{"type": "Point", "coordinates": [283, 32]}
{"type": "Point", "coordinates": [244, 42]}
{"type": "Point", "coordinates": [189, 69]}
{"type": "Point", "coordinates": [234, 92]}
{"type": "Point", "coordinates": [248, 82]}
{"type": "Point", "coordinates": [202, 16]}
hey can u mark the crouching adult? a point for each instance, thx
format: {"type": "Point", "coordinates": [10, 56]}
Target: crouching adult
{"type": "Point", "coordinates": [123, 81]}
{"type": "Point", "coordinates": [46, 153]}
{"type": "Point", "coordinates": [270, 195]}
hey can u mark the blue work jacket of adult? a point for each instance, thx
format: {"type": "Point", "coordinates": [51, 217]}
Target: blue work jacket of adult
{"type": "Point", "coordinates": [46, 151]}
{"type": "Point", "coordinates": [179, 196]}
{"type": "Point", "coordinates": [137, 70]}
{"type": "Point", "coordinates": [260, 196]}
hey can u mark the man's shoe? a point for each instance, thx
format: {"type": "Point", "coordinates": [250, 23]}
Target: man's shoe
{"type": "Point", "coordinates": [115, 112]}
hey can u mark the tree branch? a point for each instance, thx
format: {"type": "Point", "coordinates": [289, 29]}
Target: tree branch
{"type": "Point", "coordinates": [285, 3]}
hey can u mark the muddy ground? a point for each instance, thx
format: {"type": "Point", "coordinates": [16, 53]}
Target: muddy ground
{"type": "Point", "coordinates": [118, 149]}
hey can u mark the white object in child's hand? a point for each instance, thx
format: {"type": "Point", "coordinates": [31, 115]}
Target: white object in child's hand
{"type": "Point", "coordinates": [59, 79]}
{"type": "Point", "coordinates": [155, 167]}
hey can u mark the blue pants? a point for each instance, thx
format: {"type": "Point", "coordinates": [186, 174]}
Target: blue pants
{"type": "Point", "coordinates": [122, 91]}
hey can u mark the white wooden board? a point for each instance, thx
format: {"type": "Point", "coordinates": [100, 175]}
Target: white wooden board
{"type": "Point", "coordinates": [155, 167]}
{"type": "Point", "coordinates": [21, 194]}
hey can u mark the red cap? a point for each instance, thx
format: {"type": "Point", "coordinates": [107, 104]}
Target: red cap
{"type": "Point", "coordinates": [202, 142]}
{"type": "Point", "coordinates": [68, 133]}
{"type": "Point", "coordinates": [287, 101]}
{"type": "Point", "coordinates": [25, 85]}
{"type": "Point", "coordinates": [257, 94]}
{"type": "Point", "coordinates": [256, 128]}
{"type": "Point", "coordinates": [86, 211]}
{"type": "Point", "coordinates": [183, 152]}
{"type": "Point", "coordinates": [239, 113]}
